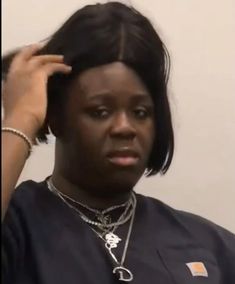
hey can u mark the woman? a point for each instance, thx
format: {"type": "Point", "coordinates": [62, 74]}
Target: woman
{"type": "Point", "coordinates": [100, 86]}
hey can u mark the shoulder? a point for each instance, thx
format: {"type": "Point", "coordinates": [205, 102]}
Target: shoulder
{"type": "Point", "coordinates": [183, 235]}
{"type": "Point", "coordinates": [29, 193]}
{"type": "Point", "coordinates": [29, 188]}
{"type": "Point", "coordinates": [202, 229]}
{"type": "Point", "coordinates": [31, 200]}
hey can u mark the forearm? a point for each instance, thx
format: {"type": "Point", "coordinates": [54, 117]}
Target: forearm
{"type": "Point", "coordinates": [14, 155]}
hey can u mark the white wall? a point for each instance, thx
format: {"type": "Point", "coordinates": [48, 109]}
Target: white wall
{"type": "Point", "coordinates": [200, 37]}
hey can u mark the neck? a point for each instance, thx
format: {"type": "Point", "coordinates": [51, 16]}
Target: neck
{"type": "Point", "coordinates": [92, 198]}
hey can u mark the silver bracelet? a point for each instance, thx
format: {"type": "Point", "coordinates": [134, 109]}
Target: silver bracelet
{"type": "Point", "coordinates": [20, 134]}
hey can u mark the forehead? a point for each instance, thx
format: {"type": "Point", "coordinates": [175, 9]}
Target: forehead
{"type": "Point", "coordinates": [113, 79]}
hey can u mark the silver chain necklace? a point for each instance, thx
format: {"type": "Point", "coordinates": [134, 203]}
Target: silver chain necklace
{"type": "Point", "coordinates": [96, 211]}
{"type": "Point", "coordinates": [111, 240]}
{"type": "Point", "coordinates": [84, 217]}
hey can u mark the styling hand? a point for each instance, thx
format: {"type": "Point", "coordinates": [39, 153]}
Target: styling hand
{"type": "Point", "coordinates": [25, 88]}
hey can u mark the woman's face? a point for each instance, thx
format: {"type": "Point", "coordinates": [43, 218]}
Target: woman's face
{"type": "Point", "coordinates": [109, 129]}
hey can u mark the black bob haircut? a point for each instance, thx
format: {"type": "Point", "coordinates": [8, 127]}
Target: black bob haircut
{"type": "Point", "coordinates": [101, 34]}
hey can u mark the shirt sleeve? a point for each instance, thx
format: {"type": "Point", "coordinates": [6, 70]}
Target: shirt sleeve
{"type": "Point", "coordinates": [226, 247]}
{"type": "Point", "coordinates": [12, 244]}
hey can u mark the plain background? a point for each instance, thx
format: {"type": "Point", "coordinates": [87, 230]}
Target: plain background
{"type": "Point", "coordinates": [200, 37]}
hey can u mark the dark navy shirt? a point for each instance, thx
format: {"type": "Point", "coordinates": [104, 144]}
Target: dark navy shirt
{"type": "Point", "coordinates": [46, 242]}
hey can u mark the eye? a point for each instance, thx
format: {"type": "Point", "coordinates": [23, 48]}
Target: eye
{"type": "Point", "coordinates": [99, 113]}
{"type": "Point", "coordinates": [142, 112]}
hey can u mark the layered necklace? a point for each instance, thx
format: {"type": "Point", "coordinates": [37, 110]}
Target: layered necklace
{"type": "Point", "coordinates": [105, 228]}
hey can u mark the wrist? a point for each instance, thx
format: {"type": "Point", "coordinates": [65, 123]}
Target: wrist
{"type": "Point", "coordinates": [28, 125]}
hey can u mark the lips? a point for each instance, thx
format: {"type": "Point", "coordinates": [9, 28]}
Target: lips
{"type": "Point", "coordinates": [123, 157]}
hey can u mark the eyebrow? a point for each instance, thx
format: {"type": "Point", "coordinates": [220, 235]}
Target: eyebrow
{"type": "Point", "coordinates": [141, 97]}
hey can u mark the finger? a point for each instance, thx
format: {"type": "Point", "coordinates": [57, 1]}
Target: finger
{"type": "Point", "coordinates": [57, 67]}
{"type": "Point", "coordinates": [44, 59]}
{"type": "Point", "coordinates": [27, 52]}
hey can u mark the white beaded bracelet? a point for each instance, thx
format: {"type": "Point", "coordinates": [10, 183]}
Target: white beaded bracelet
{"type": "Point", "coordinates": [20, 134]}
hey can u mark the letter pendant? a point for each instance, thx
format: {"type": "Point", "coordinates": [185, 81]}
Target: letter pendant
{"type": "Point", "coordinates": [124, 274]}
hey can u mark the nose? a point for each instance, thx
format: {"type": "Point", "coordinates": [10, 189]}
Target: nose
{"type": "Point", "coordinates": [122, 127]}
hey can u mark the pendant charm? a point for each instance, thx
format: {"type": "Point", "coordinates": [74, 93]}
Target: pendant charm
{"type": "Point", "coordinates": [124, 274]}
{"type": "Point", "coordinates": [111, 240]}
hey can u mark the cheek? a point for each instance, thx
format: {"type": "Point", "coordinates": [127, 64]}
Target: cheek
{"type": "Point", "coordinates": [148, 135]}
{"type": "Point", "coordinates": [89, 138]}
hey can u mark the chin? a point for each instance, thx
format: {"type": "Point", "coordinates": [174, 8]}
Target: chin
{"type": "Point", "coordinates": [121, 183]}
